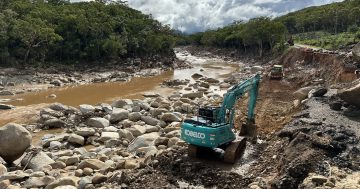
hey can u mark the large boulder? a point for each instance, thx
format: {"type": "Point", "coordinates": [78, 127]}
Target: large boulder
{"type": "Point", "coordinates": [352, 95]}
{"type": "Point", "coordinates": [98, 122]}
{"type": "Point", "coordinates": [14, 140]}
{"type": "Point", "coordinates": [318, 92]}
{"type": "Point", "coordinates": [356, 51]}
{"type": "Point", "coordinates": [143, 141]}
{"type": "Point", "coordinates": [303, 93]}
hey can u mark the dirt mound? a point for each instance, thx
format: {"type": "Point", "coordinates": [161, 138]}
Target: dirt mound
{"type": "Point", "coordinates": [174, 168]}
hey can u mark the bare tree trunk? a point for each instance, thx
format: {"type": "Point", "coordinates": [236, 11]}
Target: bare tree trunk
{"type": "Point", "coordinates": [27, 54]}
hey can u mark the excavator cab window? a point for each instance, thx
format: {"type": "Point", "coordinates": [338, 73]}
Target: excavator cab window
{"type": "Point", "coordinates": [209, 113]}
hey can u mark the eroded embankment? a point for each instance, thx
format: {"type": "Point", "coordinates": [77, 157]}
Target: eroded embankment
{"type": "Point", "coordinates": [331, 67]}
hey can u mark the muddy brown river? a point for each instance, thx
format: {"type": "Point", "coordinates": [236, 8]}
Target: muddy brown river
{"type": "Point", "coordinates": [107, 92]}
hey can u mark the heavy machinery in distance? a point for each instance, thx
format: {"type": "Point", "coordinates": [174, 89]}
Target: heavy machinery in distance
{"type": "Point", "coordinates": [277, 72]}
{"type": "Point", "coordinates": [214, 126]}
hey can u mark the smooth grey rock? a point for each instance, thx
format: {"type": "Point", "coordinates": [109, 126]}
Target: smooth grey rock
{"type": "Point", "coordinates": [108, 135]}
{"type": "Point", "coordinates": [38, 161]}
{"type": "Point", "coordinates": [84, 182]}
{"type": "Point", "coordinates": [58, 107]}
{"type": "Point", "coordinates": [137, 130]}
{"type": "Point", "coordinates": [6, 93]}
{"type": "Point", "coordinates": [14, 175]}
{"type": "Point", "coordinates": [91, 163]}
{"type": "Point", "coordinates": [3, 169]}
{"type": "Point", "coordinates": [98, 122]}
{"type": "Point", "coordinates": [135, 116]}
{"type": "Point", "coordinates": [143, 141]}
{"type": "Point", "coordinates": [87, 109]}
{"type": "Point", "coordinates": [149, 120]}
{"type": "Point", "coordinates": [14, 140]}
{"type": "Point", "coordinates": [54, 123]}
{"type": "Point", "coordinates": [193, 95]}
{"type": "Point", "coordinates": [352, 95]}
{"type": "Point", "coordinates": [76, 139]}
{"type": "Point", "coordinates": [123, 133]}
{"type": "Point", "coordinates": [55, 145]}
{"type": "Point", "coordinates": [119, 115]}
{"type": "Point", "coordinates": [121, 103]}
{"type": "Point", "coordinates": [64, 181]}
{"type": "Point", "coordinates": [69, 160]}
{"type": "Point", "coordinates": [170, 117]}
{"type": "Point", "coordinates": [85, 132]}
{"type": "Point", "coordinates": [38, 182]}
{"type": "Point", "coordinates": [172, 141]}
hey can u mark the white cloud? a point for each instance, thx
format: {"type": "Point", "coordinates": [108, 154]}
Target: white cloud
{"type": "Point", "coordinates": [199, 15]}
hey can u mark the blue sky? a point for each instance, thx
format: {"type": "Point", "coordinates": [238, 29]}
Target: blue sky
{"type": "Point", "coordinates": [198, 15]}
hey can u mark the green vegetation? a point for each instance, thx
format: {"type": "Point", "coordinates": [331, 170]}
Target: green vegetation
{"type": "Point", "coordinates": [260, 34]}
{"type": "Point", "coordinates": [329, 26]}
{"type": "Point", "coordinates": [327, 40]}
{"type": "Point", "coordinates": [33, 31]}
{"type": "Point", "coordinates": [333, 18]}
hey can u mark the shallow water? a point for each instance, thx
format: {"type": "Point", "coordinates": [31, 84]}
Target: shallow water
{"type": "Point", "coordinates": [107, 92]}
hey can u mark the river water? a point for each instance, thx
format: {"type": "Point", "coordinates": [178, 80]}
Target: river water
{"type": "Point", "coordinates": [107, 92]}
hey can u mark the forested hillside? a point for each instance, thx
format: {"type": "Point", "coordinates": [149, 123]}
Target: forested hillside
{"type": "Point", "coordinates": [269, 35]}
{"type": "Point", "coordinates": [259, 34]}
{"type": "Point", "coordinates": [38, 31]}
{"type": "Point", "coordinates": [333, 18]}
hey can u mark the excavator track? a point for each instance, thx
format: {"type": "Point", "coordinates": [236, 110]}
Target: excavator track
{"type": "Point", "coordinates": [234, 150]}
{"type": "Point", "coordinates": [192, 150]}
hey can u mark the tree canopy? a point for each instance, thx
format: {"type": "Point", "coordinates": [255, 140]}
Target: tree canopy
{"type": "Point", "coordinates": [260, 33]}
{"type": "Point", "coordinates": [333, 18]}
{"type": "Point", "coordinates": [59, 31]}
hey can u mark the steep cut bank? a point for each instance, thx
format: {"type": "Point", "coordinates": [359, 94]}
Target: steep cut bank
{"type": "Point", "coordinates": [330, 67]}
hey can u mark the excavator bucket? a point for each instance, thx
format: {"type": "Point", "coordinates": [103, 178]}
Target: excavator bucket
{"type": "Point", "coordinates": [249, 130]}
{"type": "Point", "coordinates": [234, 150]}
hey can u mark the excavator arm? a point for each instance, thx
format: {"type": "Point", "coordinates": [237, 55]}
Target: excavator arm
{"type": "Point", "coordinates": [230, 98]}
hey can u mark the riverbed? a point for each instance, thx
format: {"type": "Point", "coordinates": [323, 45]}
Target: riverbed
{"type": "Point", "coordinates": [134, 89]}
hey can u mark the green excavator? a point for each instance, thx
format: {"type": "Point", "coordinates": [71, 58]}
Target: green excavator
{"type": "Point", "coordinates": [214, 126]}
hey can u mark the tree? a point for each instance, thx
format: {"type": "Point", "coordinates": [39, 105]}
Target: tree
{"type": "Point", "coordinates": [34, 33]}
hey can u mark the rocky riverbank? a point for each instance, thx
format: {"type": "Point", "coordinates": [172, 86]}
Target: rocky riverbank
{"type": "Point", "coordinates": [308, 138]}
{"type": "Point", "coordinates": [14, 81]}
{"type": "Point", "coordinates": [102, 144]}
